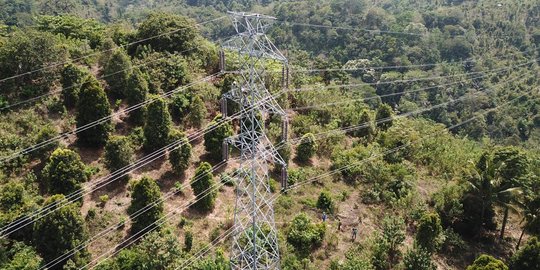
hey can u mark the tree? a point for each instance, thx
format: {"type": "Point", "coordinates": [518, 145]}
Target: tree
{"type": "Point", "coordinates": [19, 257]}
{"type": "Point", "coordinates": [303, 235]}
{"type": "Point", "coordinates": [145, 192]}
{"type": "Point", "coordinates": [197, 112]}
{"type": "Point", "coordinates": [59, 232]}
{"type": "Point", "coordinates": [216, 133]}
{"type": "Point", "coordinates": [307, 148]}
{"type": "Point", "coordinates": [118, 153]}
{"type": "Point", "coordinates": [93, 106]}
{"type": "Point", "coordinates": [383, 118]}
{"type": "Point", "coordinates": [74, 27]}
{"type": "Point", "coordinates": [136, 92]}
{"type": "Point", "coordinates": [428, 235]}
{"type": "Point", "coordinates": [118, 70]}
{"type": "Point", "coordinates": [366, 129]}
{"type": "Point", "coordinates": [203, 187]}
{"type": "Point", "coordinates": [171, 33]}
{"type": "Point", "coordinates": [73, 77]}
{"type": "Point", "coordinates": [486, 262]}
{"type": "Point", "coordinates": [324, 202]}
{"type": "Point", "coordinates": [158, 125]}
{"type": "Point", "coordinates": [180, 105]}
{"type": "Point", "coordinates": [528, 257]}
{"type": "Point", "coordinates": [418, 259]}
{"type": "Point", "coordinates": [64, 172]}
{"type": "Point", "coordinates": [180, 155]}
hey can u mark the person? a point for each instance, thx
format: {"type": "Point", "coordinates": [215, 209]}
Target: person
{"type": "Point", "coordinates": [339, 224]}
{"type": "Point", "coordinates": [324, 216]}
{"type": "Point", "coordinates": [354, 233]}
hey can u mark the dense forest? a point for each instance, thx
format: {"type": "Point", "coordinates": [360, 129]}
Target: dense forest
{"type": "Point", "coordinates": [414, 129]}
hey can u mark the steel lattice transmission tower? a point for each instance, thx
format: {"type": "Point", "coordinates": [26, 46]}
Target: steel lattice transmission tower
{"type": "Point", "coordinates": [255, 243]}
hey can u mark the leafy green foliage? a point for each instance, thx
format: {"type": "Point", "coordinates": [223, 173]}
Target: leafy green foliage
{"type": "Point", "coordinates": [18, 256]}
{"type": "Point", "coordinates": [93, 105]}
{"type": "Point", "coordinates": [197, 112]}
{"type": "Point", "coordinates": [60, 231]}
{"type": "Point", "coordinates": [382, 117]}
{"type": "Point", "coordinates": [325, 202]}
{"type": "Point", "coordinates": [73, 27]}
{"type": "Point", "coordinates": [180, 156]}
{"type": "Point", "coordinates": [527, 257]}
{"type": "Point", "coordinates": [64, 172]}
{"type": "Point", "coordinates": [174, 33]}
{"type": "Point", "coordinates": [118, 70]}
{"type": "Point", "coordinates": [73, 77]}
{"type": "Point", "coordinates": [118, 153]}
{"type": "Point", "coordinates": [418, 259]}
{"type": "Point", "coordinates": [218, 130]}
{"type": "Point", "coordinates": [145, 192]}
{"type": "Point", "coordinates": [303, 235]}
{"type": "Point", "coordinates": [429, 232]}
{"type": "Point", "coordinates": [136, 92]}
{"type": "Point", "coordinates": [486, 262]}
{"type": "Point", "coordinates": [158, 125]}
{"type": "Point", "coordinates": [366, 129]}
{"type": "Point", "coordinates": [188, 241]}
{"type": "Point", "coordinates": [307, 148]}
{"type": "Point", "coordinates": [387, 248]}
{"type": "Point", "coordinates": [203, 186]}
{"type": "Point", "coordinates": [180, 104]}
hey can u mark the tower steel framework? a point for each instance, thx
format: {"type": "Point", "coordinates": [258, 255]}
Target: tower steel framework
{"type": "Point", "coordinates": [255, 241]}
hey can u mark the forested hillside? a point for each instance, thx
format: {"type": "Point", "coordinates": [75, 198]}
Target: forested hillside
{"type": "Point", "coordinates": [414, 134]}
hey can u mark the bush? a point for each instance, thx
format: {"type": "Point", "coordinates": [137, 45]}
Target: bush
{"type": "Point", "coordinates": [203, 187]}
{"type": "Point", "coordinates": [64, 172]}
{"type": "Point", "coordinates": [180, 156]}
{"type": "Point", "coordinates": [429, 233]}
{"type": "Point", "coordinates": [60, 231]}
{"type": "Point", "coordinates": [46, 133]}
{"type": "Point", "coordinates": [145, 192]}
{"type": "Point", "coordinates": [303, 235]}
{"type": "Point", "coordinates": [118, 153]}
{"type": "Point", "coordinates": [382, 118]}
{"type": "Point", "coordinates": [136, 93]}
{"type": "Point", "coordinates": [486, 262]}
{"type": "Point", "coordinates": [528, 257]}
{"type": "Point", "coordinates": [158, 125]}
{"type": "Point", "coordinates": [93, 105]}
{"type": "Point", "coordinates": [72, 79]}
{"type": "Point", "coordinates": [174, 33]}
{"type": "Point", "coordinates": [307, 148]}
{"type": "Point", "coordinates": [367, 130]}
{"type": "Point", "coordinates": [418, 259]}
{"type": "Point", "coordinates": [188, 241]}
{"type": "Point", "coordinates": [216, 133]}
{"type": "Point", "coordinates": [197, 112]}
{"type": "Point", "coordinates": [179, 106]}
{"type": "Point", "coordinates": [325, 202]}
{"type": "Point", "coordinates": [118, 70]}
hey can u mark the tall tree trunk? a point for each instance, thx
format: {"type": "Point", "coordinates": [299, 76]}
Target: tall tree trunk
{"type": "Point", "coordinates": [520, 237]}
{"type": "Point", "coordinates": [505, 219]}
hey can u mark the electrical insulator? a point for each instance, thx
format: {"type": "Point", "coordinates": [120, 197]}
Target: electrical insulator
{"type": "Point", "coordinates": [225, 151]}
{"type": "Point", "coordinates": [284, 129]}
{"type": "Point", "coordinates": [223, 107]}
{"type": "Point", "coordinates": [284, 178]}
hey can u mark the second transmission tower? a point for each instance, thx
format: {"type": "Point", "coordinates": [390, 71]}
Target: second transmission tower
{"type": "Point", "coordinates": [255, 241]}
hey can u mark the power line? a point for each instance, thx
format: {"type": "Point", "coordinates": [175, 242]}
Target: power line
{"type": "Point", "coordinates": [108, 50]}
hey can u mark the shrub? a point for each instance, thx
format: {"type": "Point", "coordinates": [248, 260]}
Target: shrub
{"type": "Point", "coordinates": [418, 259]}
{"type": "Point", "coordinates": [180, 105]}
{"type": "Point", "coordinates": [188, 241]}
{"type": "Point", "coordinates": [325, 202]}
{"type": "Point", "coordinates": [307, 148]}
{"type": "Point", "coordinates": [118, 153]}
{"type": "Point", "coordinates": [93, 105]}
{"type": "Point", "coordinates": [179, 156]}
{"type": "Point", "coordinates": [136, 93]}
{"type": "Point", "coordinates": [64, 172]}
{"type": "Point", "coordinates": [72, 79]}
{"type": "Point", "coordinates": [528, 257]}
{"type": "Point", "coordinates": [145, 192]}
{"type": "Point", "coordinates": [118, 70]}
{"type": "Point", "coordinates": [429, 232]}
{"type": "Point", "coordinates": [216, 133]}
{"type": "Point", "coordinates": [367, 130]}
{"type": "Point", "coordinates": [382, 118]}
{"type": "Point", "coordinates": [203, 187]}
{"type": "Point", "coordinates": [304, 235]}
{"type": "Point", "coordinates": [158, 125]}
{"type": "Point", "coordinates": [197, 112]}
{"type": "Point", "coordinates": [486, 262]}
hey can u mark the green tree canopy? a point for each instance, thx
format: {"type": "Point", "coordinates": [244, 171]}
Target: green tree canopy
{"type": "Point", "coordinates": [158, 125]}
{"type": "Point", "coordinates": [174, 33]}
{"type": "Point", "coordinates": [73, 27]}
{"type": "Point", "coordinates": [136, 93]}
{"type": "Point", "coordinates": [307, 148]}
{"type": "Point", "coordinates": [428, 235]}
{"type": "Point", "coordinates": [118, 153]}
{"type": "Point", "coordinates": [418, 259]}
{"type": "Point", "coordinates": [73, 77]}
{"type": "Point", "coordinates": [64, 172]}
{"type": "Point", "coordinates": [118, 70]}
{"type": "Point", "coordinates": [180, 155]}
{"type": "Point", "coordinates": [59, 232]}
{"type": "Point", "coordinates": [486, 262]}
{"type": "Point", "coordinates": [145, 192]}
{"type": "Point", "coordinates": [383, 117]}
{"type": "Point", "coordinates": [203, 186]}
{"type": "Point", "coordinates": [18, 256]}
{"type": "Point", "coordinates": [93, 105]}
{"type": "Point", "coordinates": [217, 131]}
{"type": "Point", "coordinates": [304, 235]}
{"type": "Point", "coordinates": [197, 112]}
{"type": "Point", "coordinates": [527, 257]}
